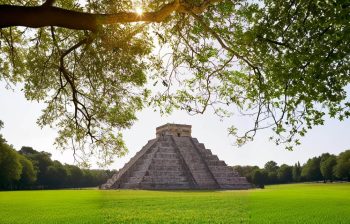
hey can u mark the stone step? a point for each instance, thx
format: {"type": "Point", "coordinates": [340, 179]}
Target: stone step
{"type": "Point", "coordinates": [129, 186]}
{"type": "Point", "coordinates": [205, 152]}
{"type": "Point", "coordinates": [134, 179]}
{"type": "Point", "coordinates": [208, 186]}
{"type": "Point", "coordinates": [143, 161]}
{"type": "Point", "coordinates": [215, 163]}
{"type": "Point", "coordinates": [164, 144]}
{"type": "Point", "coordinates": [235, 186]}
{"type": "Point", "coordinates": [230, 180]}
{"type": "Point", "coordinates": [164, 155]}
{"type": "Point", "coordinates": [200, 145]}
{"type": "Point", "coordinates": [224, 174]}
{"type": "Point", "coordinates": [164, 179]}
{"type": "Point", "coordinates": [201, 174]}
{"type": "Point", "coordinates": [141, 168]}
{"type": "Point", "coordinates": [139, 173]}
{"type": "Point", "coordinates": [197, 167]}
{"type": "Point", "coordinates": [186, 151]}
{"type": "Point", "coordinates": [219, 168]}
{"type": "Point", "coordinates": [164, 173]}
{"type": "Point", "coordinates": [195, 140]}
{"type": "Point", "coordinates": [205, 181]}
{"type": "Point", "coordinates": [166, 150]}
{"type": "Point", "coordinates": [166, 162]}
{"type": "Point", "coordinates": [194, 160]}
{"type": "Point", "coordinates": [210, 157]}
{"type": "Point", "coordinates": [165, 168]}
{"type": "Point", "coordinates": [190, 155]}
{"type": "Point", "coordinates": [165, 183]}
{"type": "Point", "coordinates": [148, 156]}
{"type": "Point", "coordinates": [161, 186]}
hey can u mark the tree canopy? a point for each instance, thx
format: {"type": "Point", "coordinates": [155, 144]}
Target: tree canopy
{"type": "Point", "coordinates": [342, 168]}
{"type": "Point", "coordinates": [10, 164]}
{"type": "Point", "coordinates": [93, 63]}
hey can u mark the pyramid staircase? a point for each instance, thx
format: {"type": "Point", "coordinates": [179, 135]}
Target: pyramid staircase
{"type": "Point", "coordinates": [172, 161]}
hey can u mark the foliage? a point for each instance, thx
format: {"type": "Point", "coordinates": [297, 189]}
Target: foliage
{"type": "Point", "coordinates": [29, 173]}
{"type": "Point", "coordinates": [272, 178]}
{"type": "Point", "coordinates": [285, 174]}
{"type": "Point", "coordinates": [296, 172]}
{"type": "Point", "coordinates": [327, 166]}
{"type": "Point", "coordinates": [55, 175]}
{"type": "Point", "coordinates": [41, 161]}
{"type": "Point", "coordinates": [246, 171]}
{"type": "Point", "coordinates": [259, 178]}
{"type": "Point", "coordinates": [271, 166]}
{"type": "Point", "coordinates": [74, 175]}
{"type": "Point", "coordinates": [10, 165]}
{"type": "Point", "coordinates": [311, 170]}
{"type": "Point", "coordinates": [30, 169]}
{"type": "Point", "coordinates": [321, 168]}
{"type": "Point", "coordinates": [342, 169]}
{"type": "Point", "coordinates": [284, 63]}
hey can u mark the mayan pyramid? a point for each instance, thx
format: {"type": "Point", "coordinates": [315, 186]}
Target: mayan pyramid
{"type": "Point", "coordinates": [175, 160]}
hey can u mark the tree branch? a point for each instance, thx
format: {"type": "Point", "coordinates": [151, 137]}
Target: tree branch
{"type": "Point", "coordinates": [48, 15]}
{"type": "Point", "coordinates": [48, 3]}
{"type": "Point", "coordinates": [223, 44]}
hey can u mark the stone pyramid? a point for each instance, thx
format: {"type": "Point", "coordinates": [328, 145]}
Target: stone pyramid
{"type": "Point", "coordinates": [175, 160]}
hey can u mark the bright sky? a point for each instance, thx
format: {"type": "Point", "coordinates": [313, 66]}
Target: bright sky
{"type": "Point", "coordinates": [19, 117]}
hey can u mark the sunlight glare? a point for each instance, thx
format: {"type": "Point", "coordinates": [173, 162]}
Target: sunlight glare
{"type": "Point", "coordinates": [139, 11]}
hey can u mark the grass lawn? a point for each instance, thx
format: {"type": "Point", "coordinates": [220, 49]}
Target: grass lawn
{"type": "Point", "coordinates": [293, 203]}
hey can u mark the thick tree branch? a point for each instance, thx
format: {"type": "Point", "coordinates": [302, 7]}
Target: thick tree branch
{"type": "Point", "coordinates": [48, 15]}
{"type": "Point", "coordinates": [49, 3]}
{"type": "Point", "coordinates": [40, 16]}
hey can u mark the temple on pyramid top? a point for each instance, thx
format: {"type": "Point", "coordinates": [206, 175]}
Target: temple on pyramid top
{"type": "Point", "coordinates": [175, 160]}
{"type": "Point", "coordinates": [174, 129]}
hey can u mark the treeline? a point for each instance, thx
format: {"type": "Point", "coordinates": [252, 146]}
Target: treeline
{"type": "Point", "coordinates": [326, 167]}
{"type": "Point", "coordinates": [30, 169]}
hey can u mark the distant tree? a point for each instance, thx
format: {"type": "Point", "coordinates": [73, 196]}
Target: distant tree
{"type": "Point", "coordinates": [94, 178]}
{"type": "Point", "coordinates": [271, 166]}
{"type": "Point", "coordinates": [246, 171]}
{"type": "Point", "coordinates": [296, 172]}
{"type": "Point", "coordinates": [41, 161]}
{"type": "Point", "coordinates": [272, 178]}
{"type": "Point", "coordinates": [74, 175]}
{"type": "Point", "coordinates": [311, 170]}
{"type": "Point", "coordinates": [285, 174]}
{"type": "Point", "coordinates": [324, 156]}
{"type": "Point", "coordinates": [259, 178]}
{"type": "Point", "coordinates": [28, 151]}
{"type": "Point", "coordinates": [10, 165]}
{"type": "Point", "coordinates": [88, 178]}
{"type": "Point", "coordinates": [28, 176]}
{"type": "Point", "coordinates": [342, 169]}
{"type": "Point", "coordinates": [327, 165]}
{"type": "Point", "coordinates": [56, 175]}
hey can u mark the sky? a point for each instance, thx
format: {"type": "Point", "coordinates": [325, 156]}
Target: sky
{"type": "Point", "coordinates": [20, 129]}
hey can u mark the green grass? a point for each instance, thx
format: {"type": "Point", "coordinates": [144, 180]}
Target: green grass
{"type": "Point", "coordinates": [56, 206]}
{"type": "Point", "coordinates": [294, 203]}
